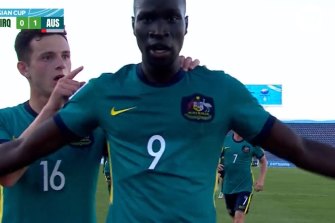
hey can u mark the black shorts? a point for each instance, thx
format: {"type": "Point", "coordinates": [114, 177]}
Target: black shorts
{"type": "Point", "coordinates": [238, 202]}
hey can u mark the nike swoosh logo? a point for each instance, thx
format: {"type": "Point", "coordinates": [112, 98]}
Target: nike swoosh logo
{"type": "Point", "coordinates": [117, 112]}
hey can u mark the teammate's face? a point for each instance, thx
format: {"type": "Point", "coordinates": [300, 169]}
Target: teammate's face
{"type": "Point", "coordinates": [159, 27]}
{"type": "Point", "coordinates": [49, 61]}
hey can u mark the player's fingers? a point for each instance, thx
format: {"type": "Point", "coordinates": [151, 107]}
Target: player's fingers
{"type": "Point", "coordinates": [69, 83]}
{"type": "Point", "coordinates": [181, 59]}
{"type": "Point", "coordinates": [65, 85]}
{"type": "Point", "coordinates": [73, 73]}
{"type": "Point", "coordinates": [186, 63]}
{"type": "Point", "coordinates": [82, 83]}
{"type": "Point", "coordinates": [194, 63]}
{"type": "Point", "coordinates": [258, 187]}
{"type": "Point", "coordinates": [65, 90]}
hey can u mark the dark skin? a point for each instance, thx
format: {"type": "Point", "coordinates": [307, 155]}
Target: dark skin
{"type": "Point", "coordinates": [159, 27]}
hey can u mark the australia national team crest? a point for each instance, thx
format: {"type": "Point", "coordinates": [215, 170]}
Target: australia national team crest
{"type": "Point", "coordinates": [198, 107]}
{"type": "Point", "coordinates": [246, 149]}
{"type": "Point", "coordinates": [83, 142]}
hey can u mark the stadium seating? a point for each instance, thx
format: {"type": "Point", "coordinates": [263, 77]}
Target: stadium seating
{"type": "Point", "coordinates": [320, 131]}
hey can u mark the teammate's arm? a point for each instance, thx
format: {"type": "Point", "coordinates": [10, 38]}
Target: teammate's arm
{"type": "Point", "coordinates": [259, 184]}
{"type": "Point", "coordinates": [307, 154]}
{"type": "Point", "coordinates": [65, 87]}
{"type": "Point", "coordinates": [44, 140]}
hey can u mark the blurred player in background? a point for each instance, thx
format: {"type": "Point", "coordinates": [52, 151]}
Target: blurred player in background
{"type": "Point", "coordinates": [221, 173]}
{"type": "Point", "coordinates": [238, 182]}
{"type": "Point", "coordinates": [107, 173]}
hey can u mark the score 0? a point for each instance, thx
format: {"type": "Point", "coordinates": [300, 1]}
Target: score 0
{"type": "Point", "coordinates": [28, 22]}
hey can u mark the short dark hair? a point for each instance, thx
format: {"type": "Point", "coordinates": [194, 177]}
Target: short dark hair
{"type": "Point", "coordinates": [23, 39]}
{"type": "Point", "coordinates": [135, 6]}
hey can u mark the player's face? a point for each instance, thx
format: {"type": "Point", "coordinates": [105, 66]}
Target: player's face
{"type": "Point", "coordinates": [159, 27]}
{"type": "Point", "coordinates": [49, 61]}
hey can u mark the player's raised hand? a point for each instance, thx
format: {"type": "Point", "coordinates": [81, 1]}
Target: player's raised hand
{"type": "Point", "coordinates": [188, 63]}
{"type": "Point", "coordinates": [64, 89]}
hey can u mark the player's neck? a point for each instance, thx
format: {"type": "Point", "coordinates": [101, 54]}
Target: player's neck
{"type": "Point", "coordinates": [159, 75]}
{"type": "Point", "coordinates": [237, 137]}
{"type": "Point", "coordinates": [37, 103]}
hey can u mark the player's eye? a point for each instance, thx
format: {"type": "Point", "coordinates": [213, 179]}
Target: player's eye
{"type": "Point", "coordinates": [173, 19]}
{"type": "Point", "coordinates": [66, 56]}
{"type": "Point", "coordinates": [46, 57]}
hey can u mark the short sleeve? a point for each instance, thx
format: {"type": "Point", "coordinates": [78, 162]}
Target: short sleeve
{"type": "Point", "coordinates": [248, 117]}
{"type": "Point", "coordinates": [79, 114]}
{"type": "Point", "coordinates": [258, 152]}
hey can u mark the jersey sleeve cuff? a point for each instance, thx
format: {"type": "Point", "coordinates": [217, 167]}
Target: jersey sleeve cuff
{"type": "Point", "coordinates": [64, 129]}
{"type": "Point", "coordinates": [265, 132]}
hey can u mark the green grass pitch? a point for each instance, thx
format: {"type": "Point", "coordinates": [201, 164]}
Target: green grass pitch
{"type": "Point", "coordinates": [290, 196]}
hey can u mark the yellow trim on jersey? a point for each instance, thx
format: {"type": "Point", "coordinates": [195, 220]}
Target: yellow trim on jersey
{"type": "Point", "coordinates": [252, 177]}
{"type": "Point", "coordinates": [248, 204]}
{"type": "Point", "coordinates": [1, 203]}
{"type": "Point", "coordinates": [111, 175]}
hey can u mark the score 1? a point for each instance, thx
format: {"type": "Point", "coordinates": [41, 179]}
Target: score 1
{"type": "Point", "coordinates": [28, 22]}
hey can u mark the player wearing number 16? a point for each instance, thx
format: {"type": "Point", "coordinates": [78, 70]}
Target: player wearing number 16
{"type": "Point", "coordinates": [60, 187]}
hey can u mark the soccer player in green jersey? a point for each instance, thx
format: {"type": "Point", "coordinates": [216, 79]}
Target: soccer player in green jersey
{"type": "Point", "coordinates": [237, 186]}
{"type": "Point", "coordinates": [50, 189]}
{"type": "Point", "coordinates": [165, 126]}
{"type": "Point", "coordinates": [60, 187]}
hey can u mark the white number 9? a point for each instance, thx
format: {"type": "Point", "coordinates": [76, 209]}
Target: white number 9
{"type": "Point", "coordinates": [157, 155]}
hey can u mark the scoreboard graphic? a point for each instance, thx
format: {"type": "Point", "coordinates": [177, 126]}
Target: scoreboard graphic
{"type": "Point", "coordinates": [44, 19]}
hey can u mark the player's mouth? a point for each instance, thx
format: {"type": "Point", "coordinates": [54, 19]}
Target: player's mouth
{"type": "Point", "coordinates": [159, 50]}
{"type": "Point", "coordinates": [58, 77]}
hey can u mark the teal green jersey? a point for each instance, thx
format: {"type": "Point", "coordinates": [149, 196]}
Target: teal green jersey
{"type": "Point", "coordinates": [237, 164]}
{"type": "Point", "coordinates": [165, 140]}
{"type": "Point", "coordinates": [54, 189]}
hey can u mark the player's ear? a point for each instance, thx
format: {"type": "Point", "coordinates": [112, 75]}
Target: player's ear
{"type": "Point", "coordinates": [186, 24]}
{"type": "Point", "coordinates": [23, 68]}
{"type": "Point", "coordinates": [133, 23]}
